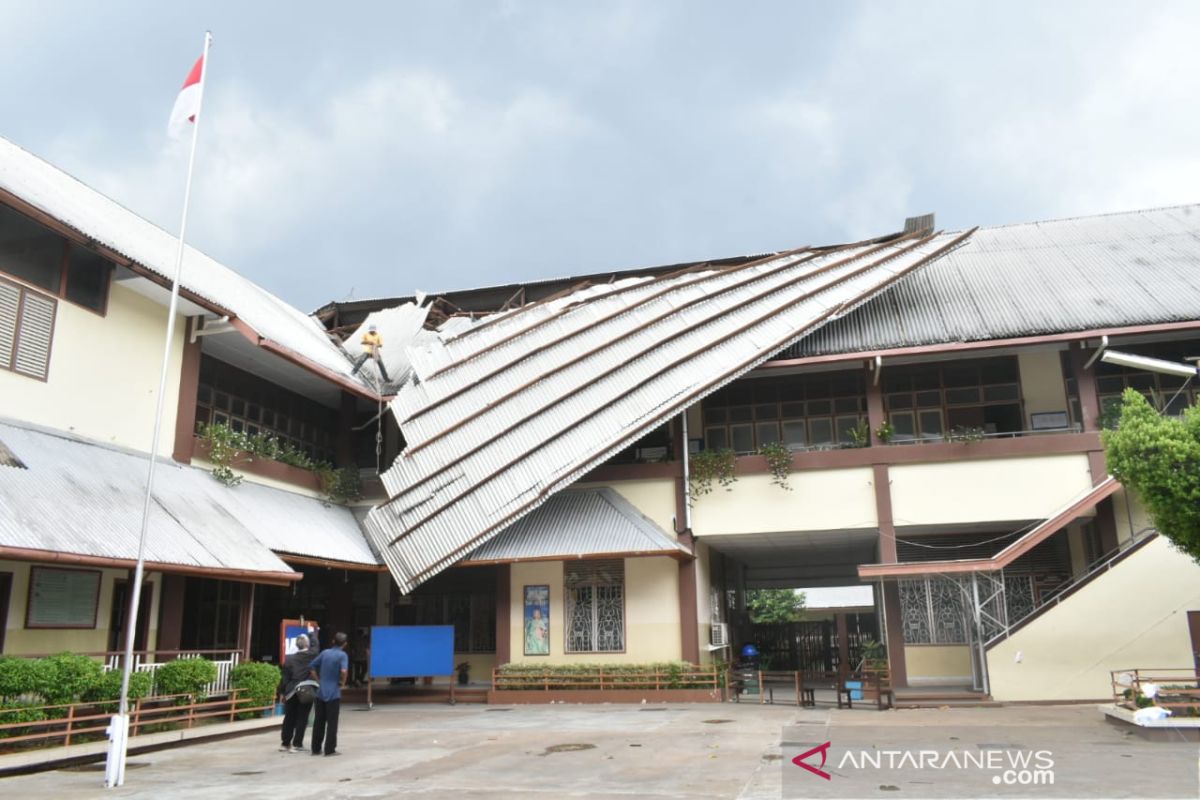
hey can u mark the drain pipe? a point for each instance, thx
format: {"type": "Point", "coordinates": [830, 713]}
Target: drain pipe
{"type": "Point", "coordinates": [687, 484]}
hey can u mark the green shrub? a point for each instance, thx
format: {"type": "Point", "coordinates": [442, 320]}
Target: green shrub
{"type": "Point", "coordinates": [571, 676]}
{"type": "Point", "coordinates": [66, 677]}
{"type": "Point", "coordinates": [18, 712]}
{"type": "Point", "coordinates": [258, 683]}
{"type": "Point", "coordinates": [186, 676]}
{"type": "Point", "coordinates": [18, 676]}
{"type": "Point", "coordinates": [109, 688]}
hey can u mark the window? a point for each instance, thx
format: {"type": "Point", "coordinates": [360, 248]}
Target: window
{"type": "Point", "coordinates": [803, 412]}
{"type": "Point", "coordinates": [924, 402]}
{"type": "Point", "coordinates": [473, 615]}
{"type": "Point", "coordinates": [247, 403]}
{"type": "Point", "coordinates": [1169, 393]}
{"type": "Point", "coordinates": [40, 257]}
{"type": "Point", "coordinates": [595, 613]}
{"type": "Point", "coordinates": [26, 330]}
{"type": "Point", "coordinates": [62, 598]}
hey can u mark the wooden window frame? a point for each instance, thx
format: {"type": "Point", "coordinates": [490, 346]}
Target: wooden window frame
{"type": "Point", "coordinates": [915, 408]}
{"type": "Point", "coordinates": [95, 605]}
{"type": "Point", "coordinates": [60, 292]}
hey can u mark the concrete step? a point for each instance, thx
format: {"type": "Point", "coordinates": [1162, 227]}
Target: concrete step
{"type": "Point", "coordinates": [957, 699]}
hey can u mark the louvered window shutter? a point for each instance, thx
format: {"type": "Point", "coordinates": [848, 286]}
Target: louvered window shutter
{"type": "Point", "coordinates": [26, 330]}
{"type": "Point", "coordinates": [10, 301]}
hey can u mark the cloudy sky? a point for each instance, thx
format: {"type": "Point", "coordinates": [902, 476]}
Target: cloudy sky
{"type": "Point", "coordinates": [365, 150]}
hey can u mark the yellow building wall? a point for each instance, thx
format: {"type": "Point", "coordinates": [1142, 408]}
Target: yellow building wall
{"type": "Point", "coordinates": [820, 500]}
{"type": "Point", "coordinates": [654, 498]}
{"type": "Point", "coordinates": [988, 490]}
{"type": "Point", "coordinates": [1042, 386]}
{"type": "Point", "coordinates": [652, 631]}
{"type": "Point", "coordinates": [1131, 517]}
{"type": "Point", "coordinates": [1113, 623]}
{"type": "Point", "coordinates": [935, 663]}
{"type": "Point", "coordinates": [103, 374]}
{"type": "Point", "coordinates": [19, 640]}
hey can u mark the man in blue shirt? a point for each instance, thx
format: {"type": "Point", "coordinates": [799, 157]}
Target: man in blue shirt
{"type": "Point", "coordinates": [329, 669]}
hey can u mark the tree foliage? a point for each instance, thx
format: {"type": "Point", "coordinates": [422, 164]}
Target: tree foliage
{"type": "Point", "coordinates": [774, 605]}
{"type": "Point", "coordinates": [1158, 458]}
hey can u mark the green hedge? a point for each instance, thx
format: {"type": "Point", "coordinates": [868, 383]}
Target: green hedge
{"type": "Point", "coordinates": [18, 712]}
{"type": "Point", "coordinates": [672, 672]}
{"type": "Point", "coordinates": [109, 688]}
{"type": "Point", "coordinates": [186, 676]}
{"type": "Point", "coordinates": [258, 682]}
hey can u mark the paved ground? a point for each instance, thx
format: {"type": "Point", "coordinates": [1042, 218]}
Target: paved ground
{"type": "Point", "coordinates": [677, 751]}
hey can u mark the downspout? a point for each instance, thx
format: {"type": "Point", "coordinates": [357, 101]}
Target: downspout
{"type": "Point", "coordinates": [979, 643]}
{"type": "Point", "coordinates": [687, 484]}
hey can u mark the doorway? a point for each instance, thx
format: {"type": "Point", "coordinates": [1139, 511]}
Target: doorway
{"type": "Point", "coordinates": [118, 619]}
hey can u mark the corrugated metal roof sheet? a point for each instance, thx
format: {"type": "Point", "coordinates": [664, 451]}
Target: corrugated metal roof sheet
{"type": "Point", "coordinates": [1115, 270]}
{"type": "Point", "coordinates": [86, 498]}
{"type": "Point", "coordinates": [504, 415]}
{"type": "Point", "coordinates": [576, 523]}
{"type": "Point", "coordinates": [77, 205]}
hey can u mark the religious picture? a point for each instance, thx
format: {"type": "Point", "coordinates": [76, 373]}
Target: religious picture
{"type": "Point", "coordinates": [537, 620]}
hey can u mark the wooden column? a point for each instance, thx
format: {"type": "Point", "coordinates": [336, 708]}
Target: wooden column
{"type": "Point", "coordinates": [503, 614]}
{"type": "Point", "coordinates": [170, 612]}
{"type": "Point", "coordinates": [246, 620]}
{"type": "Point", "coordinates": [689, 624]}
{"type": "Point", "coordinates": [843, 637]}
{"type": "Point", "coordinates": [875, 415]}
{"type": "Point", "coordinates": [345, 437]}
{"type": "Point", "coordinates": [1085, 380]}
{"type": "Point", "coordinates": [891, 590]}
{"type": "Point", "coordinates": [189, 385]}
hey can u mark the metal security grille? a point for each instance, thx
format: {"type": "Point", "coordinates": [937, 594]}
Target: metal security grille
{"type": "Point", "coordinates": [595, 594]}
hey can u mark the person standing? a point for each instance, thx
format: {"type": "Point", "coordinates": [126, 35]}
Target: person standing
{"type": "Point", "coordinates": [330, 669]}
{"type": "Point", "coordinates": [295, 712]}
{"type": "Point", "coordinates": [371, 343]}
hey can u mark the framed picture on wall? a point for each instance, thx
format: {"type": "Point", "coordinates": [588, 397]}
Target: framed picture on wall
{"type": "Point", "coordinates": [537, 620]}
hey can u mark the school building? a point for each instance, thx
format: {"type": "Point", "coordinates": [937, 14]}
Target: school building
{"type": "Point", "coordinates": [931, 401]}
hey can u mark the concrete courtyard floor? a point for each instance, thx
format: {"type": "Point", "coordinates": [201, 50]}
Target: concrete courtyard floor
{"type": "Point", "coordinates": [593, 751]}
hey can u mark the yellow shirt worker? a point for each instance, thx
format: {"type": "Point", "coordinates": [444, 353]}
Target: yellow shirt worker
{"type": "Point", "coordinates": [371, 344]}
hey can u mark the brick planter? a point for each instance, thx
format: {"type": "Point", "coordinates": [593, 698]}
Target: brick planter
{"type": "Point", "coordinates": [527, 696]}
{"type": "Point", "coordinates": [266, 468]}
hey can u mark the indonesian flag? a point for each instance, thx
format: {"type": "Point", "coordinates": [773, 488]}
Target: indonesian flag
{"type": "Point", "coordinates": [187, 104]}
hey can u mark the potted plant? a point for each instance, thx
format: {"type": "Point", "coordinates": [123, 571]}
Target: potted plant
{"type": "Point", "coordinates": [874, 663]}
{"type": "Point", "coordinates": [464, 673]}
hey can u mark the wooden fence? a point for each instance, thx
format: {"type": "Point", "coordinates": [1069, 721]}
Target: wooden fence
{"type": "Point", "coordinates": [1178, 688]}
{"type": "Point", "coordinates": [76, 720]}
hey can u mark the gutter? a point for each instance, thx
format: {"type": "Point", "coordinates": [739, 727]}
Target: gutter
{"type": "Point", "coordinates": [247, 575]}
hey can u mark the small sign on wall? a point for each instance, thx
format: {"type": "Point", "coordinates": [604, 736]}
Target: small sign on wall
{"type": "Point", "coordinates": [1049, 420]}
{"type": "Point", "coordinates": [537, 620]}
{"type": "Point", "coordinates": [62, 598]}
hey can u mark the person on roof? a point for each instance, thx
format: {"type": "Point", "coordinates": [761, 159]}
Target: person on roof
{"type": "Point", "coordinates": [372, 343]}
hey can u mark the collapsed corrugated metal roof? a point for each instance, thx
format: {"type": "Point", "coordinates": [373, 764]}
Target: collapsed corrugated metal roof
{"type": "Point", "coordinates": [103, 220]}
{"type": "Point", "coordinates": [504, 414]}
{"type": "Point", "coordinates": [1059, 276]}
{"type": "Point", "coordinates": [84, 498]}
{"type": "Point", "coordinates": [579, 523]}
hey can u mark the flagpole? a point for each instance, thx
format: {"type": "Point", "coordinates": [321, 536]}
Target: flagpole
{"type": "Point", "coordinates": [114, 773]}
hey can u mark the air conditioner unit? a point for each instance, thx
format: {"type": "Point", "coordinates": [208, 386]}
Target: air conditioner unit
{"type": "Point", "coordinates": [719, 636]}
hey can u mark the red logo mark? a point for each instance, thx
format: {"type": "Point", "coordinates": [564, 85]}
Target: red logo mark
{"type": "Point", "coordinates": [824, 750]}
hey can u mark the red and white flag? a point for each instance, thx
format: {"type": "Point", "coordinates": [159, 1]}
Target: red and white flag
{"type": "Point", "coordinates": [187, 104]}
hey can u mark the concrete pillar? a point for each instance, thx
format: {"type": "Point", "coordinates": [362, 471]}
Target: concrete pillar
{"type": "Point", "coordinates": [891, 590]}
{"type": "Point", "coordinates": [689, 645]}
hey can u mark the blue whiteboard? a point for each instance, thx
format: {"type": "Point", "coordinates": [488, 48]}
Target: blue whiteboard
{"type": "Point", "coordinates": [412, 651]}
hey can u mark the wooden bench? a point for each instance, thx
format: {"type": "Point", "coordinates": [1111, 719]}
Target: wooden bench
{"type": "Point", "coordinates": [878, 682]}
